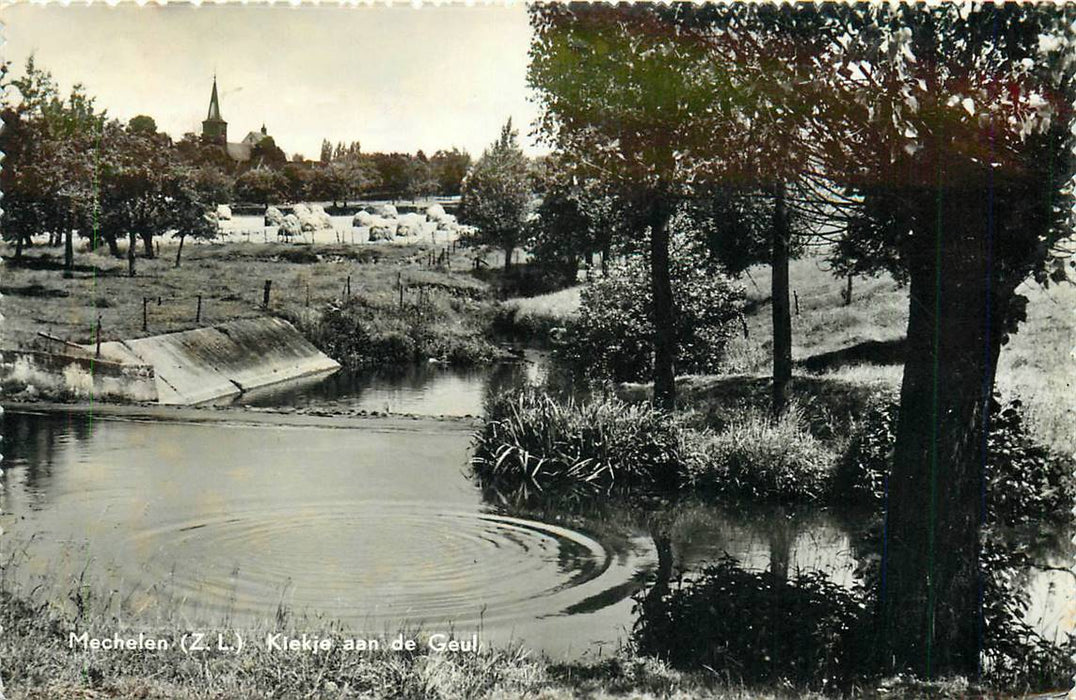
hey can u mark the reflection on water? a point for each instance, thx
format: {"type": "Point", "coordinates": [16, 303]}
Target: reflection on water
{"type": "Point", "coordinates": [428, 389]}
{"type": "Point", "coordinates": [376, 527]}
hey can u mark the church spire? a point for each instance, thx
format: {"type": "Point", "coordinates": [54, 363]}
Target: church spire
{"type": "Point", "coordinates": [215, 129]}
{"type": "Point", "coordinates": [214, 104]}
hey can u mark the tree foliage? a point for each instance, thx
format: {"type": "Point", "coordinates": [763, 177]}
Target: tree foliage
{"type": "Point", "coordinates": [613, 335]}
{"type": "Point", "coordinates": [497, 193]}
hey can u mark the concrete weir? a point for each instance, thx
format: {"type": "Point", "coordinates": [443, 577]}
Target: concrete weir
{"type": "Point", "coordinates": [225, 360]}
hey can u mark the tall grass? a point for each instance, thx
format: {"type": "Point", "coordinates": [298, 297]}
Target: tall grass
{"type": "Point", "coordinates": [759, 457]}
{"type": "Point", "coordinates": [532, 445]}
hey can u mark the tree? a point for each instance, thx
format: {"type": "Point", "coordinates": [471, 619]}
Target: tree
{"type": "Point", "coordinates": [267, 154]}
{"type": "Point", "coordinates": [134, 173]}
{"type": "Point", "coordinates": [260, 185]}
{"type": "Point", "coordinates": [954, 124]}
{"type": "Point", "coordinates": [213, 186]}
{"type": "Point", "coordinates": [575, 218]}
{"type": "Point", "coordinates": [192, 206]}
{"type": "Point", "coordinates": [420, 180]}
{"type": "Point", "coordinates": [613, 335]}
{"type": "Point", "coordinates": [448, 169]}
{"type": "Point", "coordinates": [625, 102]}
{"type": "Point", "coordinates": [50, 145]}
{"type": "Point", "coordinates": [496, 194]}
{"type": "Point", "coordinates": [765, 104]}
{"type": "Point", "coordinates": [393, 173]}
{"type": "Point", "coordinates": [142, 124]}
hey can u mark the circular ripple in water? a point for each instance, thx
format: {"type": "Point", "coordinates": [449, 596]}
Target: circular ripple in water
{"type": "Point", "coordinates": [372, 562]}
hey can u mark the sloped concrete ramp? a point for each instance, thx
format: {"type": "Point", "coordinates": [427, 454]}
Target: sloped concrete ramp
{"type": "Point", "coordinates": [225, 360]}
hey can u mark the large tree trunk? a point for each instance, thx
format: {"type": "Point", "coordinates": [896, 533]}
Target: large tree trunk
{"type": "Point", "coordinates": [508, 257]}
{"type": "Point", "coordinates": [19, 238]}
{"type": "Point", "coordinates": [782, 314]}
{"type": "Point", "coordinates": [931, 579]}
{"type": "Point", "coordinates": [147, 246]}
{"type": "Point", "coordinates": [179, 249]}
{"type": "Point", "coordinates": [664, 310]}
{"type": "Point", "coordinates": [132, 244]}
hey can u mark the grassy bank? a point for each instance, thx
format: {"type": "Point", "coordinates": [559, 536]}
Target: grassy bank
{"type": "Point", "coordinates": [449, 309]}
{"type": "Point", "coordinates": [858, 347]}
{"type": "Point", "coordinates": [861, 343]}
{"type": "Point", "coordinates": [37, 662]}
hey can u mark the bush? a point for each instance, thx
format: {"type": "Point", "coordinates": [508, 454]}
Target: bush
{"type": "Point", "coordinates": [613, 333]}
{"type": "Point", "coordinates": [861, 470]}
{"type": "Point", "coordinates": [531, 445]}
{"type": "Point", "coordinates": [762, 458]}
{"type": "Point", "coordinates": [756, 626]}
{"type": "Point", "coordinates": [363, 335]}
{"type": "Point", "coordinates": [1026, 481]}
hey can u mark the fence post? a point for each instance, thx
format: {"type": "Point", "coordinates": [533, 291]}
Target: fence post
{"type": "Point", "coordinates": [98, 352]}
{"type": "Point", "coordinates": [198, 313]}
{"type": "Point", "coordinates": [399, 285]}
{"type": "Point", "coordinates": [796, 296]}
{"type": "Point", "coordinates": [145, 313]}
{"type": "Point", "coordinates": [265, 294]}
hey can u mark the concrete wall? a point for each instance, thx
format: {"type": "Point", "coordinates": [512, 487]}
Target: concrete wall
{"type": "Point", "coordinates": [206, 364]}
{"type": "Point", "coordinates": [61, 376]}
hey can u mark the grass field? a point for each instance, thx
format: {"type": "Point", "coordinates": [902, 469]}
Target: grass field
{"type": "Point", "coordinates": [229, 278]}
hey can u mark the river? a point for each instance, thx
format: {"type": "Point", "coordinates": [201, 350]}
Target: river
{"type": "Point", "coordinates": [377, 527]}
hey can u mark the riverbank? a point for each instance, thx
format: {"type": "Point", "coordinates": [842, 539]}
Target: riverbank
{"type": "Point", "coordinates": [38, 660]}
{"type": "Point", "coordinates": [311, 417]}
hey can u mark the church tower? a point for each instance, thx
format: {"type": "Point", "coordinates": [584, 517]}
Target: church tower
{"type": "Point", "coordinates": [215, 129]}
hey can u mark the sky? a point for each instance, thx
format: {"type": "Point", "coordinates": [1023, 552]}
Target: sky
{"type": "Point", "coordinates": [394, 78]}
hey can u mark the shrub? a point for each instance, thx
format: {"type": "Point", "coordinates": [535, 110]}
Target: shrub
{"type": "Point", "coordinates": [1026, 481]}
{"type": "Point", "coordinates": [361, 335]}
{"type": "Point", "coordinates": [755, 626]}
{"type": "Point", "coordinates": [763, 458]}
{"type": "Point", "coordinates": [613, 333]}
{"type": "Point", "coordinates": [861, 470]}
{"type": "Point", "coordinates": [532, 445]}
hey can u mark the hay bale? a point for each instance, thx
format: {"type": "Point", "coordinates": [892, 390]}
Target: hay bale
{"type": "Point", "coordinates": [382, 232]}
{"type": "Point", "coordinates": [290, 226]}
{"type": "Point", "coordinates": [363, 218]}
{"type": "Point", "coordinates": [224, 212]}
{"type": "Point", "coordinates": [273, 217]}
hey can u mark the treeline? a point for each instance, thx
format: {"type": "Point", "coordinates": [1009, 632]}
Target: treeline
{"type": "Point", "coordinates": [71, 170]}
{"type": "Point", "coordinates": [344, 174]}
